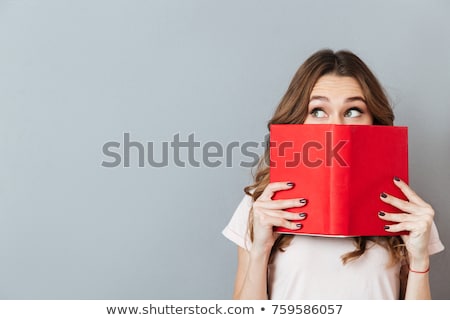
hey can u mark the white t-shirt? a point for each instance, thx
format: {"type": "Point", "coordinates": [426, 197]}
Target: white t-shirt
{"type": "Point", "coordinates": [311, 267]}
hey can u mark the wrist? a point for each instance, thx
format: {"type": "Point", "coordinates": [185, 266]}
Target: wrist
{"type": "Point", "coordinates": [258, 252]}
{"type": "Point", "coordinates": [419, 265]}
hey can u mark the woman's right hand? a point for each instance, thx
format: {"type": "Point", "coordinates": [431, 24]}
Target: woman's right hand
{"type": "Point", "coordinates": [268, 213]}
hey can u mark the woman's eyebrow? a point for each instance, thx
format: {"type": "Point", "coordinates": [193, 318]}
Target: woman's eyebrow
{"type": "Point", "coordinates": [350, 99]}
{"type": "Point", "coordinates": [357, 98]}
{"type": "Point", "coordinates": [322, 98]}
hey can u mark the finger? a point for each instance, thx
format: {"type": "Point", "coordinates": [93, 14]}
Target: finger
{"type": "Point", "coordinates": [410, 194]}
{"type": "Point", "coordinates": [397, 217]}
{"type": "Point", "coordinates": [399, 227]}
{"type": "Point", "coordinates": [273, 187]}
{"type": "Point", "coordinates": [411, 226]}
{"type": "Point", "coordinates": [285, 214]}
{"type": "Point", "coordinates": [403, 205]}
{"type": "Point", "coordinates": [270, 221]}
{"type": "Point", "coordinates": [280, 204]}
{"type": "Point", "coordinates": [406, 206]}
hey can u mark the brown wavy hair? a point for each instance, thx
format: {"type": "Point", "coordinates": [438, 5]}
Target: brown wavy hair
{"type": "Point", "coordinates": [293, 109]}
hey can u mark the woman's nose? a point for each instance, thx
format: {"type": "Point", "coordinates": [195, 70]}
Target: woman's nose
{"type": "Point", "coordinates": [336, 119]}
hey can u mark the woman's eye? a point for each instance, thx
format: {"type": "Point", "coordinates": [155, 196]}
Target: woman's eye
{"type": "Point", "coordinates": [353, 113]}
{"type": "Point", "coordinates": [318, 113]}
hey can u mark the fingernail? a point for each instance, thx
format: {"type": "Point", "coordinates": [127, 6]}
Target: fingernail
{"type": "Point", "coordinates": [386, 227]}
{"type": "Point", "coordinates": [383, 195]}
{"type": "Point", "coordinates": [381, 213]}
{"type": "Point", "coordinates": [396, 178]}
{"type": "Point", "coordinates": [299, 225]}
{"type": "Point", "coordinates": [302, 214]}
{"type": "Point", "coordinates": [291, 184]}
{"type": "Point", "coordinates": [302, 200]}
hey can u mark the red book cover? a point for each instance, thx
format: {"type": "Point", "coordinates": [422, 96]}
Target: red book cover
{"type": "Point", "coordinates": [341, 171]}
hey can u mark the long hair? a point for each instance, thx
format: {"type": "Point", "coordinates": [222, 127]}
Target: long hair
{"type": "Point", "coordinates": [293, 109]}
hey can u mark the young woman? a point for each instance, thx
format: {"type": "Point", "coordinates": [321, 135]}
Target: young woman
{"type": "Point", "coordinates": [330, 88]}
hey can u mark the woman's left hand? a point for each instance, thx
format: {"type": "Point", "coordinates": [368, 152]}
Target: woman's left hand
{"type": "Point", "coordinates": [417, 218]}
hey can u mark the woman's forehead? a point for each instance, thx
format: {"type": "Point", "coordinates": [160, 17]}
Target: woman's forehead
{"type": "Point", "coordinates": [336, 85]}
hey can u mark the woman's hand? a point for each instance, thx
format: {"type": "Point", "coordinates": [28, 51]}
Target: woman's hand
{"type": "Point", "coordinates": [417, 219]}
{"type": "Point", "coordinates": [268, 213]}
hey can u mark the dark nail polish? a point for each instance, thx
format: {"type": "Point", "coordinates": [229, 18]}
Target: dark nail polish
{"type": "Point", "coordinates": [381, 213]}
{"type": "Point", "coordinates": [302, 200]}
{"type": "Point", "coordinates": [291, 184]}
{"type": "Point", "coordinates": [302, 215]}
{"type": "Point", "coordinates": [396, 178]}
{"type": "Point", "coordinates": [383, 195]}
{"type": "Point", "coordinates": [386, 227]}
{"type": "Point", "coordinates": [299, 225]}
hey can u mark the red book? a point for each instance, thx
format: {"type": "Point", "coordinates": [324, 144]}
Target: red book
{"type": "Point", "coordinates": [341, 170]}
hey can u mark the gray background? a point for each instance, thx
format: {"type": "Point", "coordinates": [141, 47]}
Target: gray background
{"type": "Point", "coordinates": [76, 74]}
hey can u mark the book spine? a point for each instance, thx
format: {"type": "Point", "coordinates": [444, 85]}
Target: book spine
{"type": "Point", "coordinates": [338, 144]}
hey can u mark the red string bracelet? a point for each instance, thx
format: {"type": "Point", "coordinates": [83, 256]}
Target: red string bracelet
{"type": "Point", "coordinates": [428, 269]}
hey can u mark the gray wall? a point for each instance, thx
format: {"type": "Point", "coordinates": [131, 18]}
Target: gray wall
{"type": "Point", "coordinates": [77, 74]}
